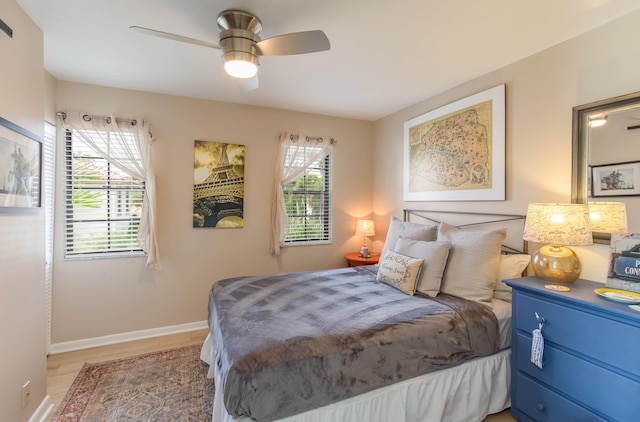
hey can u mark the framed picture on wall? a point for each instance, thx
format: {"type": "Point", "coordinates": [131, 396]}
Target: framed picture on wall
{"type": "Point", "coordinates": [619, 179]}
{"type": "Point", "coordinates": [457, 152]}
{"type": "Point", "coordinates": [20, 168]}
{"type": "Point", "coordinates": [218, 185]}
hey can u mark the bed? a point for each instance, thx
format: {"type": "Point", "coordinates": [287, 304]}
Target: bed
{"type": "Point", "coordinates": [423, 335]}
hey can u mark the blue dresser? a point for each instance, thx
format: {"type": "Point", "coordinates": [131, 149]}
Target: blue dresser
{"type": "Point", "coordinates": [591, 362]}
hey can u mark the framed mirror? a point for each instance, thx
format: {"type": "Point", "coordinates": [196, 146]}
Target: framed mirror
{"type": "Point", "coordinates": [606, 156]}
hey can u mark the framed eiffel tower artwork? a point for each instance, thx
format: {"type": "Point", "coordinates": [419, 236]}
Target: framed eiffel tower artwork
{"type": "Point", "coordinates": [218, 185]}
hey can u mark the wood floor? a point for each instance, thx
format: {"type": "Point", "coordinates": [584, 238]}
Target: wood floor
{"type": "Point", "coordinates": [63, 368]}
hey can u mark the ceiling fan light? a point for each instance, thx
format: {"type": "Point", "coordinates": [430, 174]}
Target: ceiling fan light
{"type": "Point", "coordinates": [597, 120]}
{"type": "Point", "coordinates": [240, 69]}
{"type": "Point", "coordinates": [240, 64]}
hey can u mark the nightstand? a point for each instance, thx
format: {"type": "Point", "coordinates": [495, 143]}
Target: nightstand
{"type": "Point", "coordinates": [353, 259]}
{"type": "Point", "coordinates": [590, 366]}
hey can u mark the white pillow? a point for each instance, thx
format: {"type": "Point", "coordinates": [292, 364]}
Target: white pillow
{"type": "Point", "coordinates": [407, 230]}
{"type": "Point", "coordinates": [435, 259]}
{"type": "Point", "coordinates": [474, 259]}
{"type": "Point", "coordinates": [511, 266]}
{"type": "Point", "coordinates": [400, 271]}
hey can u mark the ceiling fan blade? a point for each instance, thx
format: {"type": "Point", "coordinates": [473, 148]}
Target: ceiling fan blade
{"type": "Point", "coordinates": [174, 37]}
{"type": "Point", "coordinates": [294, 43]}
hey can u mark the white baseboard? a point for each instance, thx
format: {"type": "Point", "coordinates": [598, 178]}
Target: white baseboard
{"type": "Point", "coordinates": [69, 346]}
{"type": "Point", "coordinates": [42, 412]}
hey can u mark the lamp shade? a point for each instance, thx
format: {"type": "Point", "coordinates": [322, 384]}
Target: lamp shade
{"type": "Point", "coordinates": [608, 217]}
{"type": "Point", "coordinates": [365, 228]}
{"type": "Point", "coordinates": [558, 224]}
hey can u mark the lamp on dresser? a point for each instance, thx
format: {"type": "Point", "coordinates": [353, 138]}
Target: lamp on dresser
{"type": "Point", "coordinates": [608, 217]}
{"type": "Point", "coordinates": [365, 228]}
{"type": "Point", "coordinates": [556, 226]}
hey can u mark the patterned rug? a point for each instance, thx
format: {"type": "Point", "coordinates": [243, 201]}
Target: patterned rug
{"type": "Point", "coordinates": [171, 385]}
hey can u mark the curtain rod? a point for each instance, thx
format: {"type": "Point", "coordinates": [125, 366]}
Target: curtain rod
{"type": "Point", "coordinates": [311, 138]}
{"type": "Point", "coordinates": [89, 117]}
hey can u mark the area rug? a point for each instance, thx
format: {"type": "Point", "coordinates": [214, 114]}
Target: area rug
{"type": "Point", "coordinates": [170, 385]}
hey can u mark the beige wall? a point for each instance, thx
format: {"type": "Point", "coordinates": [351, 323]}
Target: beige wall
{"type": "Point", "coordinates": [50, 87]}
{"type": "Point", "coordinates": [540, 93]}
{"type": "Point", "coordinates": [22, 303]}
{"type": "Point", "coordinates": [94, 298]}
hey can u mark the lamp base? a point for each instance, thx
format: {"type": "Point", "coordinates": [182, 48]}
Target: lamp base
{"type": "Point", "coordinates": [556, 264]}
{"type": "Point", "coordinates": [364, 252]}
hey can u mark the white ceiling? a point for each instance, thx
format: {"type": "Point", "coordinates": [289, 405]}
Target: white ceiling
{"type": "Point", "coordinates": [385, 55]}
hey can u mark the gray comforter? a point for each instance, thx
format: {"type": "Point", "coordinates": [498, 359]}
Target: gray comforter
{"type": "Point", "coordinates": [292, 342]}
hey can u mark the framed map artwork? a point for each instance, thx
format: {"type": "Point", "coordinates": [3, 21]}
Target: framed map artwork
{"type": "Point", "coordinates": [456, 152]}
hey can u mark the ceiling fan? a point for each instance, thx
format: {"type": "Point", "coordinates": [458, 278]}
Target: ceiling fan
{"type": "Point", "coordinates": [241, 46]}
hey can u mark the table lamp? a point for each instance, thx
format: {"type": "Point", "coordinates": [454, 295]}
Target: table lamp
{"type": "Point", "coordinates": [557, 225]}
{"type": "Point", "coordinates": [608, 217]}
{"type": "Point", "coordinates": [365, 228]}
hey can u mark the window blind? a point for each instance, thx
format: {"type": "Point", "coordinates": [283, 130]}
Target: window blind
{"type": "Point", "coordinates": [48, 176]}
{"type": "Point", "coordinates": [103, 203]}
{"type": "Point", "coordinates": [308, 205]}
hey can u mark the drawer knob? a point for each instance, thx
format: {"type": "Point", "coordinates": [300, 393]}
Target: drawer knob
{"type": "Point", "coordinates": [540, 407]}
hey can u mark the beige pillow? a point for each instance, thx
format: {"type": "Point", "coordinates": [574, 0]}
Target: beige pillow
{"type": "Point", "coordinates": [511, 266]}
{"type": "Point", "coordinates": [415, 231]}
{"type": "Point", "coordinates": [435, 259]}
{"type": "Point", "coordinates": [400, 271]}
{"type": "Point", "coordinates": [474, 259]}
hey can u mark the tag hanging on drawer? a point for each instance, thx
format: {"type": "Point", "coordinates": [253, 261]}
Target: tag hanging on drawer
{"type": "Point", "coordinates": [537, 343]}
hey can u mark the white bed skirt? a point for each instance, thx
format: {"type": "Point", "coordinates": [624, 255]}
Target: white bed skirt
{"type": "Point", "coordinates": [467, 392]}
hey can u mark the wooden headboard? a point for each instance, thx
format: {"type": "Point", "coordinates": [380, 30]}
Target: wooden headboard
{"type": "Point", "coordinates": [514, 224]}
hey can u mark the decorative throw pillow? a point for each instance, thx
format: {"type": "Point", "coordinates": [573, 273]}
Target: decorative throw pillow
{"type": "Point", "coordinates": [400, 271]}
{"type": "Point", "coordinates": [435, 259]}
{"type": "Point", "coordinates": [407, 230]}
{"type": "Point", "coordinates": [474, 259]}
{"type": "Point", "coordinates": [511, 266]}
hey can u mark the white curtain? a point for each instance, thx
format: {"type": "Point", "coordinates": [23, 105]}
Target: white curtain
{"type": "Point", "coordinates": [133, 158]}
{"type": "Point", "coordinates": [298, 155]}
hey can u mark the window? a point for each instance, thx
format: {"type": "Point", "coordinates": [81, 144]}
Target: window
{"type": "Point", "coordinates": [103, 203]}
{"type": "Point", "coordinates": [308, 205]}
{"type": "Point", "coordinates": [301, 212]}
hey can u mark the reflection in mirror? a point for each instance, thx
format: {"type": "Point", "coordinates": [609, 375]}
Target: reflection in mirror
{"type": "Point", "coordinates": [606, 156]}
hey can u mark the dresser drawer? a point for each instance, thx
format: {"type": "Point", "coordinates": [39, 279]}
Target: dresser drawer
{"type": "Point", "coordinates": [604, 391]}
{"type": "Point", "coordinates": [609, 341]}
{"type": "Point", "coordinates": [541, 404]}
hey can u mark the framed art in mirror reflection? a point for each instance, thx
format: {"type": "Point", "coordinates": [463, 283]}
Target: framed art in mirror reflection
{"type": "Point", "coordinates": [618, 179]}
